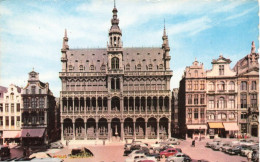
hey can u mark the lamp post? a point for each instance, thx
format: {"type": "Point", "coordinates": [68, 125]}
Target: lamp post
{"type": "Point", "coordinates": [199, 134]}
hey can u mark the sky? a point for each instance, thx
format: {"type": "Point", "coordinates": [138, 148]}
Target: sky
{"type": "Point", "coordinates": [31, 32]}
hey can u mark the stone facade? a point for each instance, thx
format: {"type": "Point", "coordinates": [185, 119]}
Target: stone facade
{"type": "Point", "coordinates": [38, 112]}
{"type": "Point", "coordinates": [247, 70]}
{"type": "Point", "coordinates": [10, 114]}
{"type": "Point", "coordinates": [115, 93]}
{"type": "Point", "coordinates": [221, 100]}
{"type": "Point", "coordinates": [175, 118]}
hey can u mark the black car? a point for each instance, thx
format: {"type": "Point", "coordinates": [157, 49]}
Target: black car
{"type": "Point", "coordinates": [235, 150]}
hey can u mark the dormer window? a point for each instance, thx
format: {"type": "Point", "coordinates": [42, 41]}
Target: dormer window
{"type": "Point", "coordinates": [150, 67]}
{"type": "Point", "coordinates": [138, 67]}
{"type": "Point", "coordinates": [92, 67]}
{"type": "Point", "coordinates": [103, 67]}
{"type": "Point", "coordinates": [81, 67]}
{"type": "Point", "coordinates": [127, 67]}
{"type": "Point", "coordinates": [221, 69]}
{"type": "Point", "coordinates": [70, 67]}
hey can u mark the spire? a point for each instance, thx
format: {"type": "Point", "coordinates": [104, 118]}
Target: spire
{"type": "Point", "coordinates": [65, 45]}
{"type": "Point", "coordinates": [253, 47]}
{"type": "Point", "coordinates": [164, 30]}
{"type": "Point", "coordinates": [114, 21]}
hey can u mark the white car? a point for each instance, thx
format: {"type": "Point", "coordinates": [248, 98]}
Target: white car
{"type": "Point", "coordinates": [135, 152]}
{"type": "Point", "coordinates": [179, 157]}
{"type": "Point", "coordinates": [134, 157]}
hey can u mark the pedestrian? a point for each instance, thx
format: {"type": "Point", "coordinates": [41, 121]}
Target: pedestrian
{"type": "Point", "coordinates": [193, 143]}
{"type": "Point", "coordinates": [249, 156]}
{"type": "Point", "coordinates": [24, 152]}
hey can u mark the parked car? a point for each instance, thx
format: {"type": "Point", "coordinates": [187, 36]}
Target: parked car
{"type": "Point", "coordinates": [179, 157]}
{"type": "Point", "coordinates": [134, 157]}
{"type": "Point", "coordinates": [4, 151]}
{"type": "Point", "coordinates": [208, 144]}
{"type": "Point", "coordinates": [219, 145]}
{"type": "Point", "coordinates": [56, 145]}
{"type": "Point", "coordinates": [168, 152]}
{"type": "Point", "coordinates": [235, 150]}
{"type": "Point", "coordinates": [248, 149]}
{"type": "Point", "coordinates": [173, 141]}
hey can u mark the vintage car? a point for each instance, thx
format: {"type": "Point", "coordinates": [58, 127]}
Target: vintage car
{"type": "Point", "coordinates": [179, 157]}
{"type": "Point", "coordinates": [235, 150]}
{"type": "Point", "coordinates": [58, 145]}
{"type": "Point", "coordinates": [168, 152]}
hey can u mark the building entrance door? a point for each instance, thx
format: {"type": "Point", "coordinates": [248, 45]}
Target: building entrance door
{"type": "Point", "coordinates": [115, 126]}
{"type": "Point", "coordinates": [254, 130]}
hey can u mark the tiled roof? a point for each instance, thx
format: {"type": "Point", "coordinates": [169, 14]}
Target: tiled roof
{"type": "Point", "coordinates": [132, 56]}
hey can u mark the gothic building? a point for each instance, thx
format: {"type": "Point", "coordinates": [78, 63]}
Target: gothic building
{"type": "Point", "coordinates": [38, 112]}
{"type": "Point", "coordinates": [115, 92]}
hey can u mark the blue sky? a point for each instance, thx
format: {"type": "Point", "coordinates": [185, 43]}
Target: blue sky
{"type": "Point", "coordinates": [31, 32]}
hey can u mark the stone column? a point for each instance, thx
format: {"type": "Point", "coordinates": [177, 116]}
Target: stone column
{"type": "Point", "coordinates": [146, 130]}
{"type": "Point", "coordinates": [109, 104]}
{"type": "Point", "coordinates": [97, 130]}
{"type": "Point", "coordinates": [128, 105]}
{"type": "Point", "coordinates": [109, 130]}
{"type": "Point", "coordinates": [140, 104]}
{"type": "Point", "coordinates": [134, 131]}
{"type": "Point", "coordinates": [79, 105]}
{"type": "Point", "coordinates": [85, 126]}
{"type": "Point", "coordinates": [62, 133]}
{"type": "Point", "coordinates": [67, 105]}
{"type": "Point", "coordinates": [61, 106]}
{"type": "Point", "coordinates": [73, 108]}
{"type": "Point", "coordinates": [134, 105]}
{"type": "Point", "coordinates": [157, 105]}
{"type": "Point", "coordinates": [84, 106]}
{"type": "Point", "coordinates": [121, 105]}
{"type": "Point", "coordinates": [169, 130]}
{"type": "Point", "coordinates": [146, 105]}
{"type": "Point", "coordinates": [45, 118]}
{"type": "Point", "coordinates": [96, 104]}
{"type": "Point", "coordinates": [74, 131]}
{"type": "Point", "coordinates": [158, 130]}
{"type": "Point", "coordinates": [122, 131]}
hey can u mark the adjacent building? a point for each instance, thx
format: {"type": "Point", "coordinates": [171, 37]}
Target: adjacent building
{"type": "Point", "coordinates": [192, 102]}
{"type": "Point", "coordinates": [247, 71]}
{"type": "Point", "coordinates": [38, 112]}
{"type": "Point", "coordinates": [115, 92]}
{"type": "Point", "coordinates": [222, 98]}
{"type": "Point", "coordinates": [175, 114]}
{"type": "Point", "coordinates": [10, 114]}
{"type": "Point", "coordinates": [221, 101]}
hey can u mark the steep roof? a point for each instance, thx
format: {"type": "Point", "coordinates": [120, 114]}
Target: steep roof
{"type": "Point", "coordinates": [132, 56]}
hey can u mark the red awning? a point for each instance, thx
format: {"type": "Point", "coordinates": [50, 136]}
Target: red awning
{"type": "Point", "coordinates": [33, 132]}
{"type": "Point", "coordinates": [11, 134]}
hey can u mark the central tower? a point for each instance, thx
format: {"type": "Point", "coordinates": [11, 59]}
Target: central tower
{"type": "Point", "coordinates": [114, 47]}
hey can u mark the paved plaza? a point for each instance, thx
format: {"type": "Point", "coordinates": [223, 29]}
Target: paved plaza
{"type": "Point", "coordinates": [113, 152]}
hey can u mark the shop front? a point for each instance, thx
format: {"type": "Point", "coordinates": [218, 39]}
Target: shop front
{"type": "Point", "coordinates": [33, 137]}
{"type": "Point", "coordinates": [11, 137]}
{"type": "Point", "coordinates": [216, 130]}
{"type": "Point", "coordinates": [196, 131]}
{"type": "Point", "coordinates": [231, 129]}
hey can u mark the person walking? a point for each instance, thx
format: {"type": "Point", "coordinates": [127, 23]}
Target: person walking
{"type": "Point", "coordinates": [249, 156]}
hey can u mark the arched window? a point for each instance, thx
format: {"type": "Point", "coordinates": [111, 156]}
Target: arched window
{"type": "Point", "coordinates": [115, 63]}
{"type": "Point", "coordinates": [221, 86]}
{"type": "Point", "coordinates": [231, 86]}
{"type": "Point", "coordinates": [231, 116]}
{"type": "Point", "coordinates": [222, 116]}
{"type": "Point", "coordinates": [211, 116]}
{"type": "Point", "coordinates": [243, 85]}
{"type": "Point", "coordinates": [211, 86]}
